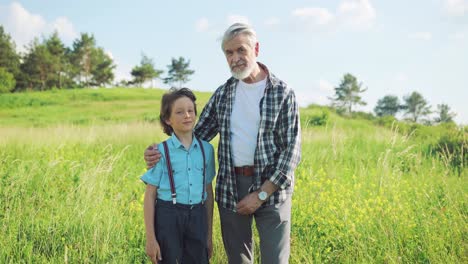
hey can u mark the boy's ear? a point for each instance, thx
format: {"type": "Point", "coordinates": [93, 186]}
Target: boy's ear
{"type": "Point", "coordinates": [167, 122]}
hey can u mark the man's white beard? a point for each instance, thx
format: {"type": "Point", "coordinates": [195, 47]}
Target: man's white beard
{"type": "Point", "coordinates": [240, 75]}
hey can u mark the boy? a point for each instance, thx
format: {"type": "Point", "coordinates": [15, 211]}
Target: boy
{"type": "Point", "coordinates": [178, 206]}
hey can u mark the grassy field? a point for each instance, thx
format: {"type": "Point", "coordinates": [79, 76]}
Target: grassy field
{"type": "Point", "coordinates": [70, 163]}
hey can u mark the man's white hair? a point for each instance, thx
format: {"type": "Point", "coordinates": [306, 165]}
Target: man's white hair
{"type": "Point", "coordinates": [239, 28]}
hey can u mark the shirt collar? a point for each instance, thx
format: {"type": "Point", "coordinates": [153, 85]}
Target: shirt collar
{"type": "Point", "coordinates": [177, 144]}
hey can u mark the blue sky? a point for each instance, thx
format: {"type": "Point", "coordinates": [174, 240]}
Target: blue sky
{"type": "Point", "coordinates": [392, 47]}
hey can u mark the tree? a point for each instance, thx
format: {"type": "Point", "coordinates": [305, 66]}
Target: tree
{"type": "Point", "coordinates": [9, 59]}
{"type": "Point", "coordinates": [81, 58]}
{"type": "Point", "coordinates": [102, 70]}
{"type": "Point", "coordinates": [416, 106]}
{"type": "Point", "coordinates": [7, 81]}
{"type": "Point", "coordinates": [347, 93]}
{"type": "Point", "coordinates": [60, 69]}
{"type": "Point", "coordinates": [178, 72]}
{"type": "Point", "coordinates": [91, 65]}
{"type": "Point", "coordinates": [37, 67]}
{"type": "Point", "coordinates": [444, 114]}
{"type": "Point", "coordinates": [145, 71]}
{"type": "Point", "coordinates": [389, 105]}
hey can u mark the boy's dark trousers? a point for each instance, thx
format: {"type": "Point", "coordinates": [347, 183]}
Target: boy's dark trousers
{"type": "Point", "coordinates": [181, 231]}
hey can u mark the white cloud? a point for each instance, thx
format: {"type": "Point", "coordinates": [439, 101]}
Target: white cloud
{"type": "Point", "coordinates": [351, 14]}
{"type": "Point", "coordinates": [122, 70]}
{"type": "Point", "coordinates": [272, 21]}
{"type": "Point", "coordinates": [318, 16]}
{"type": "Point", "coordinates": [317, 93]}
{"type": "Point", "coordinates": [202, 25]}
{"type": "Point", "coordinates": [401, 77]}
{"type": "Point", "coordinates": [456, 7]}
{"type": "Point", "coordinates": [357, 14]}
{"type": "Point", "coordinates": [458, 35]}
{"type": "Point", "coordinates": [304, 99]}
{"type": "Point", "coordinates": [231, 19]}
{"type": "Point", "coordinates": [64, 28]}
{"type": "Point", "coordinates": [325, 86]}
{"type": "Point", "coordinates": [24, 26]}
{"type": "Point", "coordinates": [421, 35]}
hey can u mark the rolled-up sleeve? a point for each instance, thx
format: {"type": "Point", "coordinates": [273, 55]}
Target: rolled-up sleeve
{"type": "Point", "coordinates": [290, 149]}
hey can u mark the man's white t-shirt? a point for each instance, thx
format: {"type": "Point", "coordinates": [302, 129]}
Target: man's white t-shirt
{"type": "Point", "coordinates": [245, 121]}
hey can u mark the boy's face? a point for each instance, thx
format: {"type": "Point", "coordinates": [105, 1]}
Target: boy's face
{"type": "Point", "coordinates": [182, 116]}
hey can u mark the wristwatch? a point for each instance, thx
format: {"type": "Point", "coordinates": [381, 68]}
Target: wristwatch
{"type": "Point", "coordinates": [262, 195]}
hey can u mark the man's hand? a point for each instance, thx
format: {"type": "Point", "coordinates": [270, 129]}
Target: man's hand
{"type": "Point", "coordinates": [153, 251]}
{"type": "Point", "coordinates": [152, 156]}
{"type": "Point", "coordinates": [249, 204]}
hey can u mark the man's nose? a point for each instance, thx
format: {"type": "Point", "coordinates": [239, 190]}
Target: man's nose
{"type": "Point", "coordinates": [235, 57]}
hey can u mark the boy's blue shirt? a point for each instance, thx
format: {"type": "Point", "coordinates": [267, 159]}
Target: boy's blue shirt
{"type": "Point", "coordinates": [188, 171]}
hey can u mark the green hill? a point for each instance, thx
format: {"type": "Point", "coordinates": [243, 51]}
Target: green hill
{"type": "Point", "coordinates": [82, 106]}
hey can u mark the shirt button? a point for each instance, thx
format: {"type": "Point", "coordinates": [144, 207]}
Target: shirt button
{"type": "Point", "coordinates": [190, 184]}
{"type": "Point", "coordinates": [188, 168]}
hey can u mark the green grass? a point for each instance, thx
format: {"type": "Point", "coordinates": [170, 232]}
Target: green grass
{"type": "Point", "coordinates": [70, 191]}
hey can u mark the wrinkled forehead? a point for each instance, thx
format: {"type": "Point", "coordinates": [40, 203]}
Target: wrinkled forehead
{"type": "Point", "coordinates": [240, 38]}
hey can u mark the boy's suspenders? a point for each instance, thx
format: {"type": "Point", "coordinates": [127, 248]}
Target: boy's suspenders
{"type": "Point", "coordinates": [203, 154]}
{"type": "Point", "coordinates": [169, 170]}
{"type": "Point", "coordinates": [171, 174]}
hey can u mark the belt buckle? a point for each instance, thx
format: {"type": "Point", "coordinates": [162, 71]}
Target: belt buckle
{"type": "Point", "coordinates": [245, 169]}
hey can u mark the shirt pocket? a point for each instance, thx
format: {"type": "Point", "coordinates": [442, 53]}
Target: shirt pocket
{"type": "Point", "coordinates": [199, 172]}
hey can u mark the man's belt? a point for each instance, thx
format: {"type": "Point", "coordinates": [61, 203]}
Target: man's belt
{"type": "Point", "coordinates": [245, 170]}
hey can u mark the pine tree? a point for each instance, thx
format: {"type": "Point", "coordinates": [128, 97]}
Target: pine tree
{"type": "Point", "coordinates": [179, 72]}
{"type": "Point", "coordinates": [347, 94]}
{"type": "Point", "coordinates": [389, 105]}
{"type": "Point", "coordinates": [416, 106]}
{"type": "Point", "coordinates": [145, 71]}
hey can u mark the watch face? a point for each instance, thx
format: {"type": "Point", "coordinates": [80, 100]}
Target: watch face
{"type": "Point", "coordinates": [262, 196]}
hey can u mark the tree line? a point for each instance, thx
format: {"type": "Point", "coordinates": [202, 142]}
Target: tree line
{"type": "Point", "coordinates": [49, 64]}
{"type": "Point", "coordinates": [414, 106]}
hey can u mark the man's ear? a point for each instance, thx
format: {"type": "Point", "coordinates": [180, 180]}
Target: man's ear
{"type": "Point", "coordinates": [256, 49]}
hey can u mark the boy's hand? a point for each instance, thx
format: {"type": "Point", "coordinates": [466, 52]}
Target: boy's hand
{"type": "Point", "coordinates": [153, 251]}
{"type": "Point", "coordinates": [152, 156]}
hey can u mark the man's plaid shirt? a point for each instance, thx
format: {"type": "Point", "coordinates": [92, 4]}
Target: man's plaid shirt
{"type": "Point", "coordinates": [278, 148]}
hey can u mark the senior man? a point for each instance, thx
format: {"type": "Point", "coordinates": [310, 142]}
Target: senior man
{"type": "Point", "coordinates": [257, 117]}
